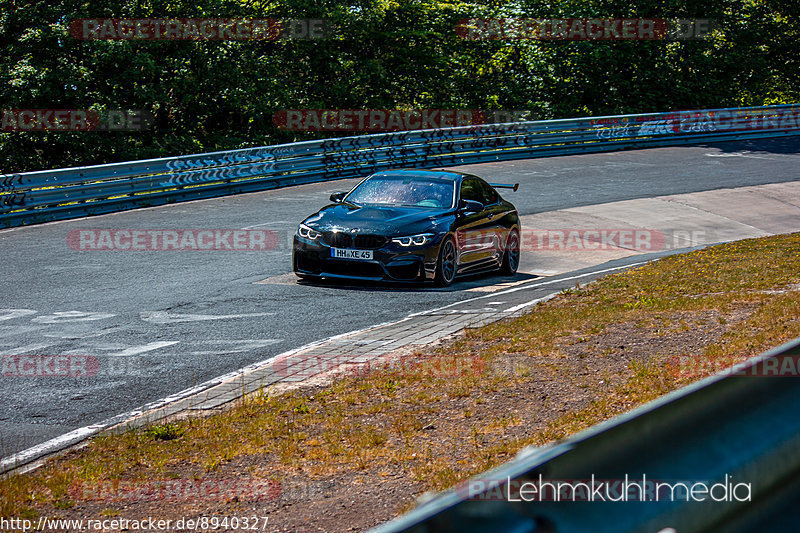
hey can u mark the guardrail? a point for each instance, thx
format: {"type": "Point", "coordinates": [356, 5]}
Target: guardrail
{"type": "Point", "coordinates": [43, 196]}
{"type": "Point", "coordinates": [743, 425]}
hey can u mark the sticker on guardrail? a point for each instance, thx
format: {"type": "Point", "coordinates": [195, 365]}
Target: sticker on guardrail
{"type": "Point", "coordinates": [688, 122]}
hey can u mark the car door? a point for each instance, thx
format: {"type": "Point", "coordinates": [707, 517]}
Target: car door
{"type": "Point", "coordinates": [497, 225]}
{"type": "Point", "coordinates": [477, 234]}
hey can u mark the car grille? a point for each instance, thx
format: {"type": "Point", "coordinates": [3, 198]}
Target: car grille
{"type": "Point", "coordinates": [338, 239]}
{"type": "Point", "coordinates": [345, 240]}
{"type": "Point", "coordinates": [369, 241]}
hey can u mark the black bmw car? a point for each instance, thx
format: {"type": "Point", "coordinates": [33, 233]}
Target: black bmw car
{"type": "Point", "coordinates": [410, 225]}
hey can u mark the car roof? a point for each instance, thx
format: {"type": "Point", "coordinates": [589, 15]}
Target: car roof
{"type": "Point", "coordinates": [442, 174]}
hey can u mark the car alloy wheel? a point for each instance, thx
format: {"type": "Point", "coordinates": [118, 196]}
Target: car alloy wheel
{"type": "Point", "coordinates": [446, 265]}
{"type": "Point", "coordinates": [511, 255]}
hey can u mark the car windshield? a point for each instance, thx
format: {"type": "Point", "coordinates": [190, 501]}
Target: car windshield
{"type": "Point", "coordinates": [403, 191]}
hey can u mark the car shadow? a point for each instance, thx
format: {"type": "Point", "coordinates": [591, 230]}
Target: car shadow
{"type": "Point", "coordinates": [462, 283]}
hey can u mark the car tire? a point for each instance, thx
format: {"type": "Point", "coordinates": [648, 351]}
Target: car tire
{"type": "Point", "coordinates": [446, 263]}
{"type": "Point", "coordinates": [511, 255]}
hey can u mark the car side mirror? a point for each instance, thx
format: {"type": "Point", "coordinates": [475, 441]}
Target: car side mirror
{"type": "Point", "coordinates": [471, 206]}
{"type": "Point", "coordinates": [337, 197]}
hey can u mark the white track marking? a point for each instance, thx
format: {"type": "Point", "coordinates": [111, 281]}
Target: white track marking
{"type": "Point", "coordinates": [74, 335]}
{"type": "Point", "coordinates": [745, 153]}
{"type": "Point", "coordinates": [532, 302]}
{"type": "Point", "coordinates": [10, 331]}
{"type": "Point", "coordinates": [162, 317]}
{"type": "Point", "coordinates": [273, 223]}
{"type": "Point", "coordinates": [236, 346]}
{"type": "Point", "coordinates": [8, 314]}
{"type": "Point", "coordinates": [71, 316]}
{"type": "Point", "coordinates": [36, 347]}
{"type": "Point", "coordinates": [136, 350]}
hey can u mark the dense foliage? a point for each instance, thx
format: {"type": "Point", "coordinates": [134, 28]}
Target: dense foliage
{"type": "Point", "coordinates": [214, 95]}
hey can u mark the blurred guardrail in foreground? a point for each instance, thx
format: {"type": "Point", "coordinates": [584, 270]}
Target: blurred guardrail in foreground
{"type": "Point", "coordinates": [724, 451]}
{"type": "Point", "coordinates": [43, 196]}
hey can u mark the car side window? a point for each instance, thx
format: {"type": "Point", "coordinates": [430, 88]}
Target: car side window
{"type": "Point", "coordinates": [489, 194]}
{"type": "Point", "coordinates": [471, 190]}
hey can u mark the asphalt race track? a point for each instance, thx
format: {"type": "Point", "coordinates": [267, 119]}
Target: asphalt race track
{"type": "Point", "coordinates": [158, 322]}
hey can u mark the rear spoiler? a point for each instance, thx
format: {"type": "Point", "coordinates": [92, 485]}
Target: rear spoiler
{"type": "Point", "coordinates": [505, 186]}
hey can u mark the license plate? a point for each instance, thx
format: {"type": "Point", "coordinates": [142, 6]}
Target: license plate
{"type": "Point", "coordinates": [346, 253]}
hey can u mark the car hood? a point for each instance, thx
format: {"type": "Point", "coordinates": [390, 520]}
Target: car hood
{"type": "Point", "coordinates": [376, 220]}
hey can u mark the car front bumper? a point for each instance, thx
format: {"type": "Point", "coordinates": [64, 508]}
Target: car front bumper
{"type": "Point", "coordinates": [392, 262]}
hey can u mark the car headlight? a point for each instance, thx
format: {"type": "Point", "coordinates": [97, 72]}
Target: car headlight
{"type": "Point", "coordinates": [420, 239]}
{"type": "Point", "coordinates": [308, 233]}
